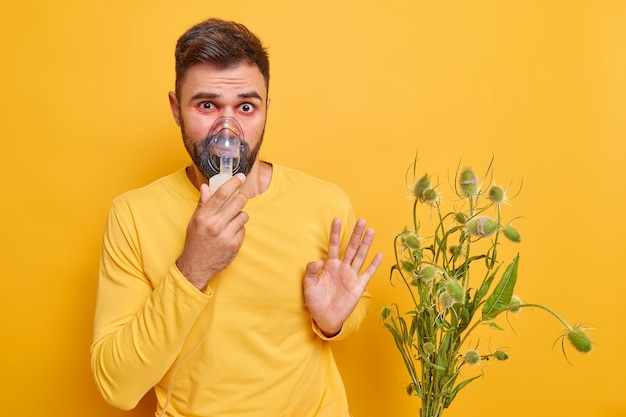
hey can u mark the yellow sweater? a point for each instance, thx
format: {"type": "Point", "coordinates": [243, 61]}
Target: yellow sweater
{"type": "Point", "coordinates": [247, 345]}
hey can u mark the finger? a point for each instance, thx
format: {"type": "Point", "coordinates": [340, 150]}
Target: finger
{"type": "Point", "coordinates": [335, 239]}
{"type": "Point", "coordinates": [363, 249]}
{"type": "Point", "coordinates": [355, 241]}
{"type": "Point", "coordinates": [311, 273]}
{"type": "Point", "coordinates": [371, 269]}
{"type": "Point", "coordinates": [225, 192]}
{"type": "Point", "coordinates": [205, 194]}
{"type": "Point", "coordinates": [226, 201]}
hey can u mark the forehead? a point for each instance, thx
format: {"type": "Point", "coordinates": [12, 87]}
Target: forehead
{"type": "Point", "coordinates": [222, 81]}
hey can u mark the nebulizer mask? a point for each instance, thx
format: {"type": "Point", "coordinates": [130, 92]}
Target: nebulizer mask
{"type": "Point", "coordinates": [225, 150]}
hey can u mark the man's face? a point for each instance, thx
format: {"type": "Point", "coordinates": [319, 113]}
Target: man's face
{"type": "Point", "coordinates": [207, 93]}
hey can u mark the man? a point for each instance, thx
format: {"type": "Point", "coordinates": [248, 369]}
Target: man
{"type": "Point", "coordinates": [225, 301]}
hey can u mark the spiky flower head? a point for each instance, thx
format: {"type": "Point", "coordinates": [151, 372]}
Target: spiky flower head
{"type": "Point", "coordinates": [468, 181]}
{"type": "Point", "coordinates": [472, 357]}
{"type": "Point", "coordinates": [501, 355]}
{"type": "Point", "coordinates": [427, 273]}
{"type": "Point", "coordinates": [455, 289]}
{"type": "Point", "coordinates": [430, 195]}
{"type": "Point", "coordinates": [496, 194]}
{"type": "Point", "coordinates": [580, 340]}
{"type": "Point", "coordinates": [408, 266]}
{"type": "Point", "coordinates": [410, 240]}
{"type": "Point", "coordinates": [385, 312]}
{"type": "Point", "coordinates": [511, 233]}
{"type": "Point", "coordinates": [481, 226]}
{"type": "Point", "coordinates": [421, 185]}
{"type": "Point", "coordinates": [460, 217]}
{"type": "Point", "coordinates": [446, 300]}
{"type": "Point", "coordinates": [429, 348]}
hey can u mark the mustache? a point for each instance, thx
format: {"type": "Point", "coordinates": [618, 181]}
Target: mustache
{"type": "Point", "coordinates": [201, 157]}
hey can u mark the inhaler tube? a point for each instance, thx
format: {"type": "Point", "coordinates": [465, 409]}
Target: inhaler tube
{"type": "Point", "coordinates": [225, 147]}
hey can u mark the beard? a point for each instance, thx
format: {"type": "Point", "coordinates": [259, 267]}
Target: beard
{"type": "Point", "coordinates": [199, 153]}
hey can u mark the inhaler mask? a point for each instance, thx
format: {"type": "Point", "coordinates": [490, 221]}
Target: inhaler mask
{"type": "Point", "coordinates": [225, 148]}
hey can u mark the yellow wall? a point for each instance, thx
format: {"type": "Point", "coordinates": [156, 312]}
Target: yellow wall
{"type": "Point", "coordinates": [357, 87]}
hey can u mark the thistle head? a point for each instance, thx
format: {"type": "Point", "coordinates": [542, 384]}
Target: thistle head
{"type": "Point", "coordinates": [501, 355]}
{"type": "Point", "coordinates": [496, 194]}
{"type": "Point", "coordinates": [454, 288]}
{"type": "Point", "coordinates": [471, 357]}
{"type": "Point", "coordinates": [481, 226]}
{"type": "Point", "coordinates": [385, 312]}
{"type": "Point", "coordinates": [427, 273]}
{"type": "Point", "coordinates": [430, 195]}
{"type": "Point", "coordinates": [421, 185]}
{"type": "Point", "coordinates": [468, 182]}
{"type": "Point", "coordinates": [407, 266]}
{"type": "Point", "coordinates": [511, 233]}
{"type": "Point", "coordinates": [460, 217]}
{"type": "Point", "coordinates": [579, 339]}
{"type": "Point", "coordinates": [446, 300]}
{"type": "Point", "coordinates": [410, 240]}
{"type": "Point", "coordinates": [429, 348]}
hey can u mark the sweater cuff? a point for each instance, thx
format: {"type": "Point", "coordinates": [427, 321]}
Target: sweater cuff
{"type": "Point", "coordinates": [186, 286]}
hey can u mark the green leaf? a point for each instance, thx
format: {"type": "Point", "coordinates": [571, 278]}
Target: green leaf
{"type": "Point", "coordinates": [458, 388]}
{"type": "Point", "coordinates": [499, 300]}
{"type": "Point", "coordinates": [484, 288]}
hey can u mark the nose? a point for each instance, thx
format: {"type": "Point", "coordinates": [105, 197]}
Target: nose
{"type": "Point", "coordinates": [228, 112]}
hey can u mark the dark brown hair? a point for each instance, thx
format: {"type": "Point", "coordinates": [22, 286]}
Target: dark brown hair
{"type": "Point", "coordinates": [221, 44]}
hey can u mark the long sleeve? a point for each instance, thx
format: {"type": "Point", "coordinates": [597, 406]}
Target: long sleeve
{"type": "Point", "coordinates": [139, 330]}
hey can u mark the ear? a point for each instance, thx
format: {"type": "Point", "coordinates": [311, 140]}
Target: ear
{"type": "Point", "coordinates": [174, 107]}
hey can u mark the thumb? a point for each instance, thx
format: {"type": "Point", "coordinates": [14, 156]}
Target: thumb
{"type": "Point", "coordinates": [204, 193]}
{"type": "Point", "coordinates": [311, 273]}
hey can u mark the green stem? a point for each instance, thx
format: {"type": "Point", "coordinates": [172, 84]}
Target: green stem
{"type": "Point", "coordinates": [549, 310]}
{"type": "Point", "coordinates": [399, 269]}
{"type": "Point", "coordinates": [497, 313]}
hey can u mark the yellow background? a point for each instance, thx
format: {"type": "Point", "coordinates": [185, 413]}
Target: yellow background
{"type": "Point", "coordinates": [357, 87]}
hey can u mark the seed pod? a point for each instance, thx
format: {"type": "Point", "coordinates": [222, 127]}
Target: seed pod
{"type": "Point", "coordinates": [496, 194]}
{"type": "Point", "coordinates": [385, 312]}
{"type": "Point", "coordinates": [407, 266]}
{"type": "Point", "coordinates": [460, 217]}
{"type": "Point", "coordinates": [501, 355]}
{"type": "Point", "coordinates": [427, 273]}
{"type": "Point", "coordinates": [421, 185]}
{"type": "Point", "coordinates": [472, 357]}
{"type": "Point", "coordinates": [430, 195]}
{"type": "Point", "coordinates": [468, 182]}
{"type": "Point", "coordinates": [446, 300]}
{"type": "Point", "coordinates": [481, 226]}
{"type": "Point", "coordinates": [511, 233]}
{"type": "Point", "coordinates": [455, 289]}
{"type": "Point", "coordinates": [429, 348]}
{"type": "Point", "coordinates": [410, 240]}
{"type": "Point", "coordinates": [580, 340]}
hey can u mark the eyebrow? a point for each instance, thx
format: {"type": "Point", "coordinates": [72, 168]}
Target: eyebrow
{"type": "Point", "coordinates": [205, 95]}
